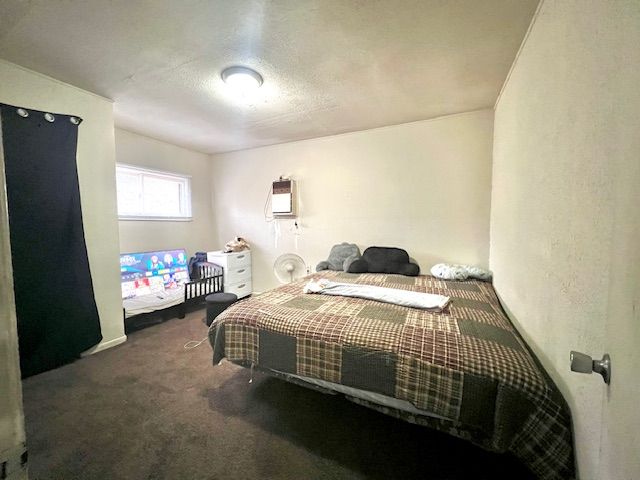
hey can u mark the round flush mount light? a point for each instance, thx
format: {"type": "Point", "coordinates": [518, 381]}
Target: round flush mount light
{"type": "Point", "coordinates": [242, 78]}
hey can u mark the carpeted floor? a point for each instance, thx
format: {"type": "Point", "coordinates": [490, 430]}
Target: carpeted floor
{"type": "Point", "coordinates": [148, 409]}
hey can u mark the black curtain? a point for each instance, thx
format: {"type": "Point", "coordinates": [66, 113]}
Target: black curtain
{"type": "Point", "coordinates": [55, 305]}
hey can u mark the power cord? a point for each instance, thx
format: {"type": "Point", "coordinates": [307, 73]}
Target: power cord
{"type": "Point", "coordinates": [267, 217]}
{"type": "Point", "coordinates": [194, 343]}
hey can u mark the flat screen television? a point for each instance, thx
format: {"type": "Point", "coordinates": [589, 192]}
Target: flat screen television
{"type": "Point", "coordinates": [144, 273]}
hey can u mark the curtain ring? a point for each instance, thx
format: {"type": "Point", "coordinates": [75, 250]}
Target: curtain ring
{"type": "Point", "coordinates": [74, 120]}
{"type": "Point", "coordinates": [48, 117]}
{"type": "Point", "coordinates": [22, 112]}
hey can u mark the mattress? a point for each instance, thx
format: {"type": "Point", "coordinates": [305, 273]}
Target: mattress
{"type": "Point", "coordinates": [152, 302]}
{"type": "Point", "coordinates": [466, 367]}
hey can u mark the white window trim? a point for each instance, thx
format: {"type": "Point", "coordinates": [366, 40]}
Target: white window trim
{"type": "Point", "coordinates": [128, 218]}
{"type": "Point", "coordinates": [161, 218]}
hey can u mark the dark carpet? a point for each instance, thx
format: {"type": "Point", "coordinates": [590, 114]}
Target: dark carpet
{"type": "Point", "coordinates": [148, 409]}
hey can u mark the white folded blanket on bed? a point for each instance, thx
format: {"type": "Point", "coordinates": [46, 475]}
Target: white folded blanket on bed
{"type": "Point", "coordinates": [405, 298]}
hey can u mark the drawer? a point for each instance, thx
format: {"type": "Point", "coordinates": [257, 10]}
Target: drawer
{"type": "Point", "coordinates": [237, 275]}
{"type": "Point", "coordinates": [230, 261]}
{"type": "Point", "coordinates": [238, 260]}
{"type": "Point", "coordinates": [241, 289]}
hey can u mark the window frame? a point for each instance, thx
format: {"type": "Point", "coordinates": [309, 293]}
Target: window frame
{"type": "Point", "coordinates": [185, 200]}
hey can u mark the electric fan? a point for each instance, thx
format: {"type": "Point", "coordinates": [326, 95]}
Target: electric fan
{"type": "Point", "coordinates": [289, 267]}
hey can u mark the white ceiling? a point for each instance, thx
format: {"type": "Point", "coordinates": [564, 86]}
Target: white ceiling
{"type": "Point", "coordinates": [329, 66]}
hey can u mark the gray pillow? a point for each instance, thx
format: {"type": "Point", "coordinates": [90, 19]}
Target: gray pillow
{"type": "Point", "coordinates": [340, 257]}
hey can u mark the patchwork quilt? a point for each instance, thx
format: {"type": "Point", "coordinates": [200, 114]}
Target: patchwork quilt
{"type": "Point", "coordinates": [467, 365]}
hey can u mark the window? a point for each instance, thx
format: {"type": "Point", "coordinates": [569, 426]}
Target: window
{"type": "Point", "coordinates": [152, 195]}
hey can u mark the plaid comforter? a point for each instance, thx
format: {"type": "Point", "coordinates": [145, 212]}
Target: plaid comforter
{"type": "Point", "coordinates": [467, 364]}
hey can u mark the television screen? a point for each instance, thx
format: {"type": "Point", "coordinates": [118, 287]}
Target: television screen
{"type": "Point", "coordinates": [152, 272]}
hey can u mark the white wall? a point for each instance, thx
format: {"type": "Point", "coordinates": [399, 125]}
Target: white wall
{"type": "Point", "coordinates": [196, 235]}
{"type": "Point", "coordinates": [567, 113]}
{"type": "Point", "coordinates": [422, 186]}
{"type": "Point", "coordinates": [96, 174]}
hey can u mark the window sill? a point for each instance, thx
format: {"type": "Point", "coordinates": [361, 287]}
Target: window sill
{"type": "Point", "coordinates": [154, 219]}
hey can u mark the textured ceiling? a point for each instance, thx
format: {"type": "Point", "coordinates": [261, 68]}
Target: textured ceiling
{"type": "Point", "coordinates": [329, 66]}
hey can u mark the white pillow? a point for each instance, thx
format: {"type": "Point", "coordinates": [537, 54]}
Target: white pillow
{"type": "Point", "coordinates": [449, 271]}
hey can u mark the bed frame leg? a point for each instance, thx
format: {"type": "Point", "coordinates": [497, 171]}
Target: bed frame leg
{"type": "Point", "coordinates": [182, 310]}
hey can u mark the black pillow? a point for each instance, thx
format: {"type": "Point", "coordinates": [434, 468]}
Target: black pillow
{"type": "Point", "coordinates": [385, 260]}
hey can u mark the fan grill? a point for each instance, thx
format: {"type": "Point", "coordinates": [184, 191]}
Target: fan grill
{"type": "Point", "coordinates": [289, 267]}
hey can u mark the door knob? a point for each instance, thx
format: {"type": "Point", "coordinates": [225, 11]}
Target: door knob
{"type": "Point", "coordinates": [583, 363]}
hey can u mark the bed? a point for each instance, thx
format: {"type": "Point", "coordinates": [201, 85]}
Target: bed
{"type": "Point", "coordinates": [465, 370]}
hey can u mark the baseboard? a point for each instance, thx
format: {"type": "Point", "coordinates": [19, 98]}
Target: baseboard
{"type": "Point", "coordinates": [104, 345]}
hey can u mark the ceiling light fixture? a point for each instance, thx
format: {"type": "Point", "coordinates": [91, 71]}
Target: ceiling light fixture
{"type": "Point", "coordinates": [242, 78]}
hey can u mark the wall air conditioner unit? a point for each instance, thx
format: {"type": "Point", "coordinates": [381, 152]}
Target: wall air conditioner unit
{"type": "Point", "coordinates": [283, 198]}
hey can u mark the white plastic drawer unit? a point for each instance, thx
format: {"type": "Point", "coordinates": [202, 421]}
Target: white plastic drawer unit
{"type": "Point", "coordinates": [236, 269]}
